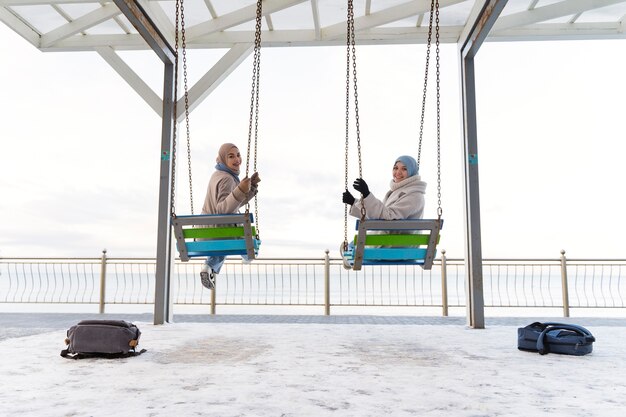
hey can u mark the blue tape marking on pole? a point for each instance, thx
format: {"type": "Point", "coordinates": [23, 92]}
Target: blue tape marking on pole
{"type": "Point", "coordinates": [165, 156]}
{"type": "Point", "coordinates": [473, 159]}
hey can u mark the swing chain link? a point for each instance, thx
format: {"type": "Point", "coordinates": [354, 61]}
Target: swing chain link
{"type": "Point", "coordinates": [175, 113]}
{"type": "Point", "coordinates": [439, 209]}
{"type": "Point", "coordinates": [254, 108]}
{"type": "Point", "coordinates": [347, 141]}
{"type": "Point", "coordinates": [186, 92]}
{"type": "Point", "coordinates": [428, 43]}
{"type": "Point", "coordinates": [180, 30]}
{"type": "Point", "coordinates": [351, 58]}
{"type": "Point", "coordinates": [351, 46]}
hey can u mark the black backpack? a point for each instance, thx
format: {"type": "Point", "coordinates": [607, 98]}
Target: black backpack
{"type": "Point", "coordinates": [102, 338]}
{"type": "Point", "coordinates": [567, 339]}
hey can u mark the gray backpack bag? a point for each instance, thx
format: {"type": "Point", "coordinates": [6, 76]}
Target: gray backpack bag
{"type": "Point", "coordinates": [102, 339]}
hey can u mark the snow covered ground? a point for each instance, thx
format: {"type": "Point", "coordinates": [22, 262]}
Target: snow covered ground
{"type": "Point", "coordinates": [315, 367]}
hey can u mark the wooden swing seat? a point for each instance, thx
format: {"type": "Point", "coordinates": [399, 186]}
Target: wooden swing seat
{"type": "Point", "coordinates": [215, 235]}
{"type": "Point", "coordinates": [394, 242]}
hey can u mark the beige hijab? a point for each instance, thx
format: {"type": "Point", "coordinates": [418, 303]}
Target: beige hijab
{"type": "Point", "coordinates": [221, 158]}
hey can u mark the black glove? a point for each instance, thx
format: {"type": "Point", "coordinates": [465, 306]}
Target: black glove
{"type": "Point", "coordinates": [361, 186]}
{"type": "Point", "coordinates": [348, 198]}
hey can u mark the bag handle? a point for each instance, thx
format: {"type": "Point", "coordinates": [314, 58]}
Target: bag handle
{"type": "Point", "coordinates": [541, 348]}
{"type": "Point", "coordinates": [66, 354]}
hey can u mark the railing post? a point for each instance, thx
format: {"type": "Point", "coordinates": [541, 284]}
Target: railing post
{"type": "Point", "coordinates": [103, 276]}
{"type": "Point", "coordinates": [444, 284]}
{"type": "Point", "coordinates": [564, 287]}
{"type": "Point", "coordinates": [327, 284]}
{"type": "Point", "coordinates": [213, 298]}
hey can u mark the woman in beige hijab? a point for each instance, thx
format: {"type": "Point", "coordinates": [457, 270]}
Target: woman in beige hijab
{"type": "Point", "coordinates": [225, 194]}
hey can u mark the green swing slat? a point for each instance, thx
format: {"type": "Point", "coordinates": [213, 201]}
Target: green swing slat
{"type": "Point", "coordinates": [215, 232]}
{"type": "Point", "coordinates": [222, 238]}
{"type": "Point", "coordinates": [396, 240]}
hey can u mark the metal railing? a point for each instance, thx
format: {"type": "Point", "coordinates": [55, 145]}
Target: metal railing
{"type": "Point", "coordinates": [544, 283]}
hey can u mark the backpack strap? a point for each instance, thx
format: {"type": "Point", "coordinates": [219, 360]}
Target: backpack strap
{"type": "Point", "coordinates": [542, 349]}
{"type": "Point", "coordinates": [66, 354]}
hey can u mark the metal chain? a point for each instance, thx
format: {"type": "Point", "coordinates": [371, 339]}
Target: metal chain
{"type": "Point", "coordinates": [184, 49]}
{"type": "Point", "coordinates": [351, 58]}
{"type": "Point", "coordinates": [254, 107]}
{"type": "Point", "coordinates": [428, 43]}
{"type": "Point", "coordinates": [356, 101]}
{"type": "Point", "coordinates": [175, 116]}
{"type": "Point", "coordinates": [439, 209]}
{"type": "Point", "coordinates": [347, 141]}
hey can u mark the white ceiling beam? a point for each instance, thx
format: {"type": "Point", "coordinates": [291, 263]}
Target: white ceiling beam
{"type": "Point", "coordinates": [560, 31]}
{"type": "Point", "coordinates": [268, 21]}
{"type": "Point", "coordinates": [210, 8]}
{"type": "Point", "coordinates": [214, 77]}
{"type": "Point", "coordinates": [131, 77]}
{"type": "Point", "coordinates": [132, 42]}
{"type": "Point", "coordinates": [409, 34]}
{"type": "Point", "coordinates": [237, 17]}
{"type": "Point", "coordinates": [44, 2]}
{"type": "Point", "coordinates": [574, 18]}
{"type": "Point", "coordinates": [82, 23]}
{"type": "Point", "coordinates": [551, 11]}
{"type": "Point", "coordinates": [382, 36]}
{"type": "Point", "coordinates": [22, 29]}
{"type": "Point", "coordinates": [376, 36]}
{"type": "Point", "coordinates": [383, 17]}
{"type": "Point", "coordinates": [62, 12]}
{"type": "Point", "coordinates": [315, 9]}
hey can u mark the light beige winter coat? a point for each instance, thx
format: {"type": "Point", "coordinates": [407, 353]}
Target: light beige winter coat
{"type": "Point", "coordinates": [405, 200]}
{"type": "Point", "coordinates": [223, 195]}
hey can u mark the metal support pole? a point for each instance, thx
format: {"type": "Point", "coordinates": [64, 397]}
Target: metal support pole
{"type": "Point", "coordinates": [444, 284]}
{"type": "Point", "coordinates": [483, 18]}
{"type": "Point", "coordinates": [103, 277]}
{"type": "Point", "coordinates": [473, 249]}
{"type": "Point", "coordinates": [564, 286]}
{"type": "Point", "coordinates": [138, 17]}
{"type": "Point", "coordinates": [164, 259]}
{"type": "Point", "coordinates": [327, 284]}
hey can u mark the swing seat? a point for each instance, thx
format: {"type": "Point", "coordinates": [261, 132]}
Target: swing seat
{"type": "Point", "coordinates": [394, 242]}
{"type": "Point", "coordinates": [215, 235]}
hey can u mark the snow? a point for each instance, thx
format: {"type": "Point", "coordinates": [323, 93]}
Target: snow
{"type": "Point", "coordinates": [338, 368]}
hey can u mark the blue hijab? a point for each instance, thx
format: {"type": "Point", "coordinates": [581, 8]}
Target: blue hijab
{"type": "Point", "coordinates": [409, 162]}
{"type": "Point", "coordinates": [221, 160]}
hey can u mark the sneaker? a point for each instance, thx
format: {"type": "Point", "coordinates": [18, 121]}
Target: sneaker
{"type": "Point", "coordinates": [207, 279]}
{"type": "Point", "coordinates": [346, 263]}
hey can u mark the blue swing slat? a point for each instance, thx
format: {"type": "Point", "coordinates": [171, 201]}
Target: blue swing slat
{"type": "Point", "coordinates": [230, 245]}
{"type": "Point", "coordinates": [390, 254]}
{"type": "Point", "coordinates": [235, 231]}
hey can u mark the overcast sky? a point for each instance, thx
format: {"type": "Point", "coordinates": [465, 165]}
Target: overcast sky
{"type": "Point", "coordinates": [80, 149]}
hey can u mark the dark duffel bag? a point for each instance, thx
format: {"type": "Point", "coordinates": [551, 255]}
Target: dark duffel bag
{"type": "Point", "coordinates": [102, 338]}
{"type": "Point", "coordinates": [567, 339]}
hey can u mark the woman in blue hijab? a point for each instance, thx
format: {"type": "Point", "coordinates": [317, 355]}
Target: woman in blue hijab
{"type": "Point", "coordinates": [404, 200]}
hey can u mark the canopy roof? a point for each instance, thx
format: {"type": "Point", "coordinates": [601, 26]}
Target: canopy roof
{"type": "Point", "coordinates": [83, 25]}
